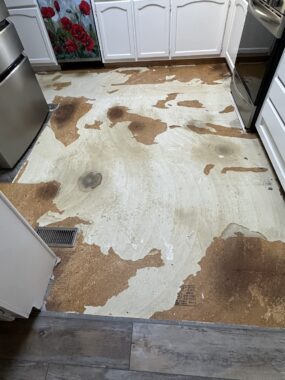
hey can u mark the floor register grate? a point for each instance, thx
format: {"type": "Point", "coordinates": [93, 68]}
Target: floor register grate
{"type": "Point", "coordinates": [57, 236]}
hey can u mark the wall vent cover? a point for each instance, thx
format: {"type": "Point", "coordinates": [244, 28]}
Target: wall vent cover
{"type": "Point", "coordinates": [58, 236]}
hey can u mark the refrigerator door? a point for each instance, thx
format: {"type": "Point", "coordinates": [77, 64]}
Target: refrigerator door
{"type": "Point", "coordinates": [3, 11]}
{"type": "Point", "coordinates": [10, 46]}
{"type": "Point", "coordinates": [23, 110]}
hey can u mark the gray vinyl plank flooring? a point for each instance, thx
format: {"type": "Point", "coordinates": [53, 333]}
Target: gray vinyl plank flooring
{"type": "Point", "coordinates": [79, 341]}
{"type": "Point", "coordinates": [10, 370]}
{"type": "Point", "coordinates": [67, 372]}
{"type": "Point", "coordinates": [229, 352]}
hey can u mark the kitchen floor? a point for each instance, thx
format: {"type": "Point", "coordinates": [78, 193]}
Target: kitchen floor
{"type": "Point", "coordinates": [188, 220]}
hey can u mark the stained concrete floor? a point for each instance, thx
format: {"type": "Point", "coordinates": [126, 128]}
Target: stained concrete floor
{"type": "Point", "coordinates": [188, 221]}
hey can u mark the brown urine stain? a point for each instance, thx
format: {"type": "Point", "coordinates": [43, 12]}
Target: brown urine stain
{"type": "Point", "coordinates": [66, 116]}
{"type": "Point", "coordinates": [241, 281]}
{"type": "Point", "coordinates": [162, 103]}
{"type": "Point", "coordinates": [242, 169]}
{"type": "Point", "coordinates": [60, 85]}
{"type": "Point", "coordinates": [219, 130]}
{"type": "Point", "coordinates": [32, 200]}
{"type": "Point", "coordinates": [208, 168]}
{"type": "Point", "coordinates": [144, 129]}
{"type": "Point", "coordinates": [190, 103]}
{"type": "Point", "coordinates": [207, 73]}
{"type": "Point", "coordinates": [95, 125]}
{"type": "Point", "coordinates": [87, 277]}
{"type": "Point", "coordinates": [48, 190]}
{"type": "Point", "coordinates": [228, 109]}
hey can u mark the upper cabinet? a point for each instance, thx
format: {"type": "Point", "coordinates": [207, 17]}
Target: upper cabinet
{"type": "Point", "coordinates": [237, 20]}
{"type": "Point", "coordinates": [197, 27]}
{"type": "Point", "coordinates": [152, 26]}
{"type": "Point", "coordinates": [116, 29]}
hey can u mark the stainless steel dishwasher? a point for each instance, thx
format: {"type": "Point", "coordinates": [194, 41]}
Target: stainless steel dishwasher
{"type": "Point", "coordinates": [23, 108]}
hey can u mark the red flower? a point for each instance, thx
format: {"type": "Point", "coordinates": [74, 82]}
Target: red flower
{"type": "Point", "coordinates": [70, 46]}
{"type": "Point", "coordinates": [84, 8]}
{"type": "Point", "coordinates": [78, 32]}
{"type": "Point", "coordinates": [66, 23]}
{"type": "Point", "coordinates": [90, 44]}
{"type": "Point", "coordinates": [47, 12]}
{"type": "Point", "coordinates": [56, 5]}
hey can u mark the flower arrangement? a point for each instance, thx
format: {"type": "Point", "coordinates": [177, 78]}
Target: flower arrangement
{"type": "Point", "coordinates": [71, 28]}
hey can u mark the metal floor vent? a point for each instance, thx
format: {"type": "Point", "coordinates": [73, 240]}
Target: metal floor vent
{"type": "Point", "coordinates": [57, 236]}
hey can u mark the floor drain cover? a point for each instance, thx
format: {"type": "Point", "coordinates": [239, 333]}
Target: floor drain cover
{"type": "Point", "coordinates": [89, 181]}
{"type": "Point", "coordinates": [57, 236]}
{"type": "Point", "coordinates": [186, 296]}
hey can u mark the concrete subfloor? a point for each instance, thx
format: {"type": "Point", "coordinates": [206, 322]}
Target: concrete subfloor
{"type": "Point", "coordinates": [187, 222]}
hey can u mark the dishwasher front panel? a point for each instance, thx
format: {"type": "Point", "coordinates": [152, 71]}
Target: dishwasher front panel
{"type": "Point", "coordinates": [23, 110]}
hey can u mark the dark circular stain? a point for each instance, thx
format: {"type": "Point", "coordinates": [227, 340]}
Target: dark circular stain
{"type": "Point", "coordinates": [48, 190]}
{"type": "Point", "coordinates": [224, 150]}
{"type": "Point", "coordinates": [64, 113]}
{"type": "Point", "coordinates": [115, 113]}
{"type": "Point", "coordinates": [89, 181]}
{"type": "Point", "coordinates": [136, 126]}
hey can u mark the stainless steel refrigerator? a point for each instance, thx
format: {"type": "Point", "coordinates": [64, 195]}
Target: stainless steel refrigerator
{"type": "Point", "coordinates": [23, 108]}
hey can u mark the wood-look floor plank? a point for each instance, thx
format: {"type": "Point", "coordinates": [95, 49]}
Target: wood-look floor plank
{"type": "Point", "coordinates": [11, 370]}
{"type": "Point", "coordinates": [68, 372]}
{"type": "Point", "coordinates": [76, 340]}
{"type": "Point", "coordinates": [230, 352]}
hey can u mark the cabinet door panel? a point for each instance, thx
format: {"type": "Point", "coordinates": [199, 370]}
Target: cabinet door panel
{"type": "Point", "coordinates": [152, 23]}
{"type": "Point", "coordinates": [240, 9]}
{"type": "Point", "coordinates": [33, 34]}
{"type": "Point", "coordinates": [115, 23]}
{"type": "Point", "coordinates": [197, 27]}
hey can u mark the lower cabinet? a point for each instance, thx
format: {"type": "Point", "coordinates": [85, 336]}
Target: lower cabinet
{"type": "Point", "coordinates": [237, 21]}
{"type": "Point", "coordinates": [116, 30]}
{"type": "Point", "coordinates": [271, 122]}
{"type": "Point", "coordinates": [148, 29]}
{"type": "Point", "coordinates": [152, 25]}
{"type": "Point", "coordinates": [197, 27]}
{"type": "Point", "coordinates": [32, 32]}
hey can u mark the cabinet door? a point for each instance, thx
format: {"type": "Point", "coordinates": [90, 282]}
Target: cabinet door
{"type": "Point", "coordinates": [152, 24]}
{"type": "Point", "coordinates": [115, 24]}
{"type": "Point", "coordinates": [197, 27]}
{"type": "Point", "coordinates": [33, 34]}
{"type": "Point", "coordinates": [237, 23]}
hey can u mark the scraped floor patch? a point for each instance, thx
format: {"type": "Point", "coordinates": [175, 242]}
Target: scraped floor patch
{"type": "Point", "coordinates": [152, 167]}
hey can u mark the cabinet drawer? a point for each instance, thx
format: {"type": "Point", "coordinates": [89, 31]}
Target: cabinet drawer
{"type": "Point", "coordinates": [277, 96]}
{"type": "Point", "coordinates": [275, 126]}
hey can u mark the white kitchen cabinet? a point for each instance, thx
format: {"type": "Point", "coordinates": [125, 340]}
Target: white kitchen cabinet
{"type": "Point", "coordinates": [237, 21]}
{"type": "Point", "coordinates": [152, 26]}
{"type": "Point", "coordinates": [32, 32]}
{"type": "Point", "coordinates": [271, 122]}
{"type": "Point", "coordinates": [197, 27]}
{"type": "Point", "coordinates": [26, 264]}
{"type": "Point", "coordinates": [116, 30]}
